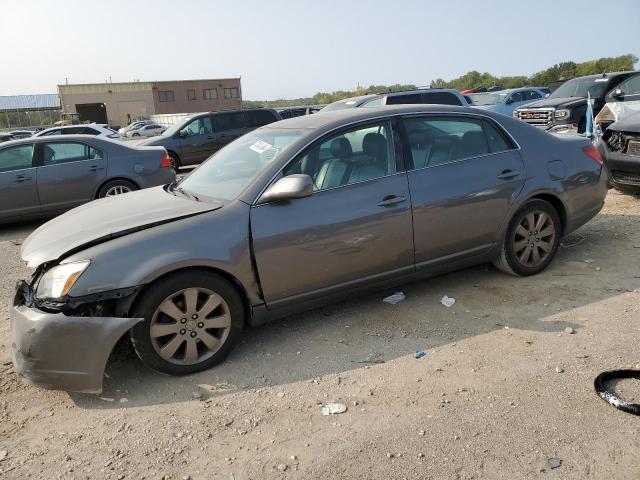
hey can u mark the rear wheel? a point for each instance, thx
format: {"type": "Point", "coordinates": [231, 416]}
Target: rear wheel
{"type": "Point", "coordinates": [116, 187]}
{"type": "Point", "coordinates": [192, 320]}
{"type": "Point", "coordinates": [531, 240]}
{"type": "Point", "coordinates": [175, 161]}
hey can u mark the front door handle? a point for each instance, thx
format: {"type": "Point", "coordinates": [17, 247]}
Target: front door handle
{"type": "Point", "coordinates": [508, 174]}
{"type": "Point", "coordinates": [391, 200]}
{"type": "Point", "coordinates": [21, 178]}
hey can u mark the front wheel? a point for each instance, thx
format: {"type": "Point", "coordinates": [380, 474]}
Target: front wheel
{"type": "Point", "coordinates": [531, 240]}
{"type": "Point", "coordinates": [192, 320]}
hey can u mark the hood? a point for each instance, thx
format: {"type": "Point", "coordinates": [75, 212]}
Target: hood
{"type": "Point", "coordinates": [491, 108]}
{"type": "Point", "coordinates": [629, 124]}
{"type": "Point", "coordinates": [158, 140]}
{"type": "Point", "coordinates": [567, 102]}
{"type": "Point", "coordinates": [107, 218]}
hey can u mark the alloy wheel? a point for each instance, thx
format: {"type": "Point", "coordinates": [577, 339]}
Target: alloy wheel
{"type": "Point", "coordinates": [534, 238]}
{"type": "Point", "coordinates": [117, 190]}
{"type": "Point", "coordinates": [190, 326]}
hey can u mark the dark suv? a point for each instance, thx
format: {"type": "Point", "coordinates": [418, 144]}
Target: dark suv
{"type": "Point", "coordinates": [198, 136]}
{"type": "Point", "coordinates": [564, 110]}
{"type": "Point", "coordinates": [441, 96]}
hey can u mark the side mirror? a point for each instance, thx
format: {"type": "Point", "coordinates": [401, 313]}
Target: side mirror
{"type": "Point", "coordinates": [183, 133]}
{"type": "Point", "coordinates": [509, 101]}
{"type": "Point", "coordinates": [288, 188]}
{"type": "Point", "coordinates": [618, 94]}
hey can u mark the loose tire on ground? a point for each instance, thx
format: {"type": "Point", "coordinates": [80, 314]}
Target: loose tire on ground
{"type": "Point", "coordinates": [543, 237]}
{"type": "Point", "coordinates": [185, 332]}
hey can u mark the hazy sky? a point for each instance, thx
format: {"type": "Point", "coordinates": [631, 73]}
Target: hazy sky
{"type": "Point", "coordinates": [299, 47]}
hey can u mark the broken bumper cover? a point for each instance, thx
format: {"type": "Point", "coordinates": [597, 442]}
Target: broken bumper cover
{"type": "Point", "coordinates": [53, 350]}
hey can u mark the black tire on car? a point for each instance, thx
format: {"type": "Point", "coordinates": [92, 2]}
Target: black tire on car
{"type": "Point", "coordinates": [192, 321]}
{"type": "Point", "coordinates": [116, 187]}
{"type": "Point", "coordinates": [175, 161]}
{"type": "Point", "coordinates": [135, 135]}
{"type": "Point", "coordinates": [531, 240]}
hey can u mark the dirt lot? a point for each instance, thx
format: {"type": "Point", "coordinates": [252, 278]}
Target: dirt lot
{"type": "Point", "coordinates": [501, 390]}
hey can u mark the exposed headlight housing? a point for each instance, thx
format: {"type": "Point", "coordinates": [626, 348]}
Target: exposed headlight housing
{"type": "Point", "coordinates": [562, 114]}
{"type": "Point", "coordinates": [57, 281]}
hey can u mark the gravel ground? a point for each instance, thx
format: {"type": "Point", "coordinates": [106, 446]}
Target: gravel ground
{"type": "Point", "coordinates": [503, 392]}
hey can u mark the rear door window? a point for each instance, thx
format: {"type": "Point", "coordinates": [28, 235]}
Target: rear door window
{"type": "Point", "coordinates": [440, 98]}
{"type": "Point", "coordinates": [16, 158]}
{"type": "Point", "coordinates": [199, 126]}
{"type": "Point", "coordinates": [228, 121]}
{"type": "Point", "coordinates": [440, 140]}
{"type": "Point", "coordinates": [404, 99]}
{"type": "Point", "coordinates": [65, 152]}
{"type": "Point", "coordinates": [258, 118]}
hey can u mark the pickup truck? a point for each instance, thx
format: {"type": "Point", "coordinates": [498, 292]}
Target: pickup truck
{"type": "Point", "coordinates": [564, 110]}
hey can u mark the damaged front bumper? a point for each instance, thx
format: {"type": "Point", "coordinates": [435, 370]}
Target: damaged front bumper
{"type": "Point", "coordinates": [59, 351]}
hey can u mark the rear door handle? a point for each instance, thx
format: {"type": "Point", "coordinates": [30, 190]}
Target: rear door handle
{"type": "Point", "coordinates": [94, 168]}
{"type": "Point", "coordinates": [391, 200]}
{"type": "Point", "coordinates": [21, 178]}
{"type": "Point", "coordinates": [508, 174]}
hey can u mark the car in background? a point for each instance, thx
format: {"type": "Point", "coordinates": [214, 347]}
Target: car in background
{"type": "Point", "coordinates": [290, 112]}
{"type": "Point", "coordinates": [620, 145]}
{"type": "Point", "coordinates": [17, 134]}
{"type": "Point", "coordinates": [195, 138]}
{"type": "Point", "coordinates": [506, 101]}
{"type": "Point", "coordinates": [88, 129]}
{"type": "Point", "coordinates": [134, 126]}
{"type": "Point", "coordinates": [440, 96]}
{"type": "Point", "coordinates": [564, 111]}
{"type": "Point", "coordinates": [149, 130]}
{"type": "Point", "coordinates": [363, 198]}
{"type": "Point", "coordinates": [43, 176]}
{"type": "Point", "coordinates": [622, 101]}
{"type": "Point", "coordinates": [6, 137]}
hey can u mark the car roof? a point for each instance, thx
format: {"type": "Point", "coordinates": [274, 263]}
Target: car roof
{"type": "Point", "coordinates": [336, 118]}
{"type": "Point", "coordinates": [52, 138]}
{"type": "Point", "coordinates": [606, 75]}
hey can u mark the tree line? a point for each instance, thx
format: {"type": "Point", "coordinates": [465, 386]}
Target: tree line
{"type": "Point", "coordinates": [472, 79]}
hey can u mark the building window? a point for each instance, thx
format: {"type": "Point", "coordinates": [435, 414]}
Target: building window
{"type": "Point", "coordinates": [210, 94]}
{"type": "Point", "coordinates": [166, 96]}
{"type": "Point", "coordinates": [231, 93]}
{"type": "Point", "coordinates": [191, 94]}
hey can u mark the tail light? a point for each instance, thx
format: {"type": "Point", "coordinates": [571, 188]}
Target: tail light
{"type": "Point", "coordinates": [593, 152]}
{"type": "Point", "coordinates": [166, 161]}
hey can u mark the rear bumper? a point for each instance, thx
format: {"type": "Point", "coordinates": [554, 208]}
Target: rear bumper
{"type": "Point", "coordinates": [623, 170]}
{"type": "Point", "coordinates": [56, 351]}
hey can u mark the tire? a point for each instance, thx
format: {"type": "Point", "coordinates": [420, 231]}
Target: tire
{"type": "Point", "coordinates": [628, 190]}
{"type": "Point", "coordinates": [175, 161]}
{"type": "Point", "coordinates": [135, 135]}
{"type": "Point", "coordinates": [513, 258]}
{"type": "Point", "coordinates": [186, 345]}
{"type": "Point", "coordinates": [116, 187]}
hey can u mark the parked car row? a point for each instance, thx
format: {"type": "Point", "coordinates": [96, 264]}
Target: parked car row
{"type": "Point", "coordinates": [506, 101]}
{"type": "Point", "coordinates": [142, 128]}
{"type": "Point", "coordinates": [85, 129]}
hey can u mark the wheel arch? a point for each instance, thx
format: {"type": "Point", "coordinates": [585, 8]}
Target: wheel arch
{"type": "Point", "coordinates": [131, 303]}
{"type": "Point", "coordinates": [556, 203]}
{"type": "Point", "coordinates": [102, 184]}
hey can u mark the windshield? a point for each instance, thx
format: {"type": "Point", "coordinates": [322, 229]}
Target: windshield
{"type": "Point", "coordinates": [229, 171]}
{"type": "Point", "coordinates": [488, 98]}
{"type": "Point", "coordinates": [579, 87]}
{"type": "Point", "coordinates": [176, 126]}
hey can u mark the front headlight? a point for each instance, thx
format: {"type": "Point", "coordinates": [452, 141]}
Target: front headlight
{"type": "Point", "coordinates": [57, 281]}
{"type": "Point", "coordinates": [562, 114]}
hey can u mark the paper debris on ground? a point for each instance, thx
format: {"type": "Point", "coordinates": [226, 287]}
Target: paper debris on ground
{"type": "Point", "coordinates": [395, 298]}
{"type": "Point", "coordinates": [447, 301]}
{"type": "Point", "coordinates": [333, 408]}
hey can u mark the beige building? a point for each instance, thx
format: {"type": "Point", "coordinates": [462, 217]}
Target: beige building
{"type": "Point", "coordinates": [118, 104]}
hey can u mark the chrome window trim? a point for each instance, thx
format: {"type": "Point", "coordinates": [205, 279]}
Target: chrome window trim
{"type": "Point", "coordinates": [387, 116]}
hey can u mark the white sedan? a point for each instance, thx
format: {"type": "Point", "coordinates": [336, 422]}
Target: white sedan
{"type": "Point", "coordinates": [146, 131]}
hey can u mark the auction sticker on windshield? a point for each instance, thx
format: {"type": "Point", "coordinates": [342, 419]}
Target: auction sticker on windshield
{"type": "Point", "coordinates": [260, 146]}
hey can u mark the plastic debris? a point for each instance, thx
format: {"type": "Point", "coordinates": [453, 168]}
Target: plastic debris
{"type": "Point", "coordinates": [395, 298]}
{"type": "Point", "coordinates": [373, 357]}
{"type": "Point", "coordinates": [333, 408]}
{"type": "Point", "coordinates": [554, 463]}
{"type": "Point", "coordinates": [447, 301]}
{"type": "Point", "coordinates": [420, 355]}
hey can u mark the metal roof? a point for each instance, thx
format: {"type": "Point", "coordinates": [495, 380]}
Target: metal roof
{"type": "Point", "coordinates": [29, 102]}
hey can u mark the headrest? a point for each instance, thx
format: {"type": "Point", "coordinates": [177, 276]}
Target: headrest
{"type": "Point", "coordinates": [341, 148]}
{"type": "Point", "coordinates": [419, 139]}
{"type": "Point", "coordinates": [475, 139]}
{"type": "Point", "coordinates": [375, 145]}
